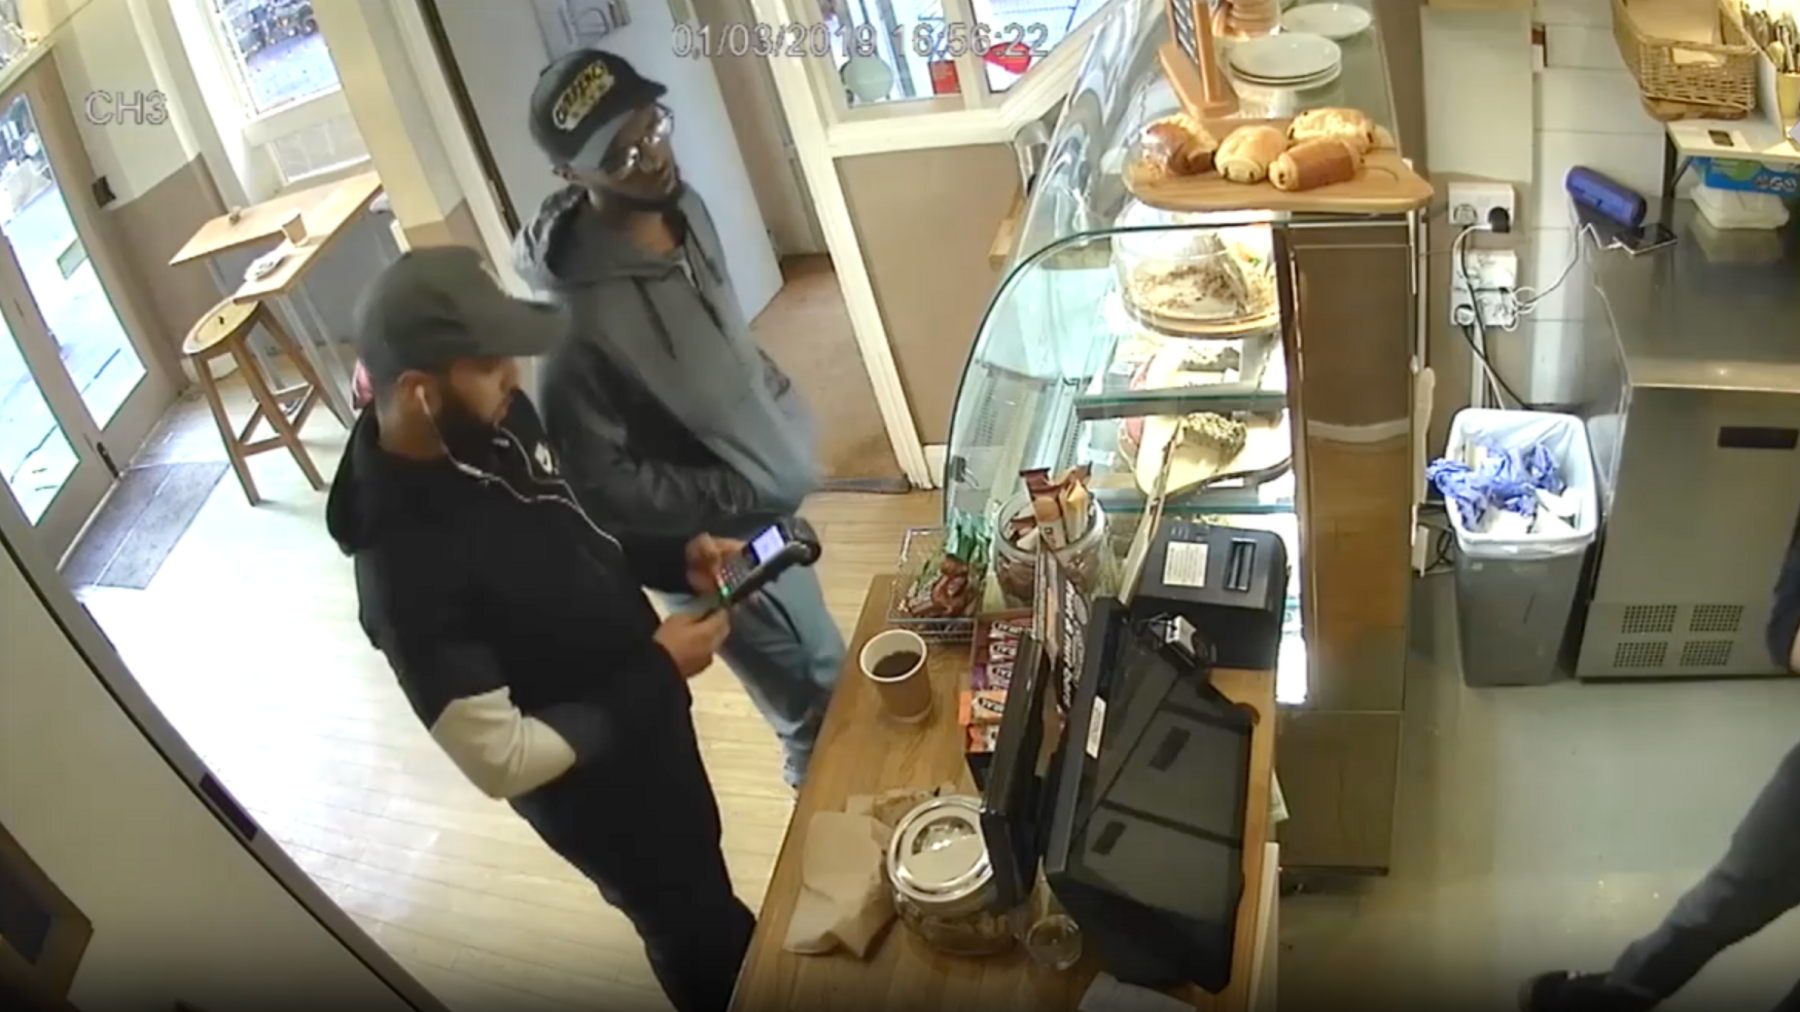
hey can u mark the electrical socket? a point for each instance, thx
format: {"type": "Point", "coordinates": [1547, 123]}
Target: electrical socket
{"type": "Point", "coordinates": [1497, 310]}
{"type": "Point", "coordinates": [1472, 202]}
{"type": "Point", "coordinates": [1493, 273]}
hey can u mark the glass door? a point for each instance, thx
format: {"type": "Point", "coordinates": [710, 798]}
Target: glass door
{"type": "Point", "coordinates": [49, 466]}
{"type": "Point", "coordinates": [78, 393]}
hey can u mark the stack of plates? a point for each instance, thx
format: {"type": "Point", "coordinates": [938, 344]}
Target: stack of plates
{"type": "Point", "coordinates": [1287, 60]}
{"type": "Point", "coordinates": [1335, 21]}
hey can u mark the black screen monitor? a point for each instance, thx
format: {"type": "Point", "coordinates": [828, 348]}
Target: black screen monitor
{"type": "Point", "coordinates": [1144, 845]}
{"type": "Point", "coordinates": [1012, 801]}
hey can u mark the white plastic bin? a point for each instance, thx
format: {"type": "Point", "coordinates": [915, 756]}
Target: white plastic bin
{"type": "Point", "coordinates": [1515, 594]}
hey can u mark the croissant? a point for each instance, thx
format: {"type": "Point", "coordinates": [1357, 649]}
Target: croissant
{"type": "Point", "coordinates": [1352, 126]}
{"type": "Point", "coordinates": [1314, 164]}
{"type": "Point", "coordinates": [1245, 154]}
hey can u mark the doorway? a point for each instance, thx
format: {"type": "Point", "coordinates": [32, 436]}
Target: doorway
{"type": "Point", "coordinates": [79, 389]}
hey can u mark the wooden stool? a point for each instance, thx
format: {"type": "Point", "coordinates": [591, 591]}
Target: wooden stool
{"type": "Point", "coordinates": [225, 331]}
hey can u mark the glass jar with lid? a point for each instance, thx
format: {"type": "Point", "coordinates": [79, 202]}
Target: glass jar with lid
{"type": "Point", "coordinates": [943, 882]}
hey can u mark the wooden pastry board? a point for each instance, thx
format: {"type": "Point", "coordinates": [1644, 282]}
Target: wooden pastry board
{"type": "Point", "coordinates": [1267, 444]}
{"type": "Point", "coordinates": [1387, 186]}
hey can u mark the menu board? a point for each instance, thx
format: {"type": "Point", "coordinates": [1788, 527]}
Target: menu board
{"type": "Point", "coordinates": [1182, 26]}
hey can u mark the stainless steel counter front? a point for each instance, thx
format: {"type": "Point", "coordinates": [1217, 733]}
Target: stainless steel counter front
{"type": "Point", "coordinates": [1691, 372]}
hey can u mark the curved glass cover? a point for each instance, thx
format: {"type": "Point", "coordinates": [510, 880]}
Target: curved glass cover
{"type": "Point", "coordinates": [1125, 336]}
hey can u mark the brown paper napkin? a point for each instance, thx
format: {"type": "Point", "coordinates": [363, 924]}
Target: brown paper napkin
{"type": "Point", "coordinates": [844, 898]}
{"type": "Point", "coordinates": [844, 895]}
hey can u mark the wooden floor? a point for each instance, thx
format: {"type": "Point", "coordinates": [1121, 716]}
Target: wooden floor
{"type": "Point", "coordinates": [247, 639]}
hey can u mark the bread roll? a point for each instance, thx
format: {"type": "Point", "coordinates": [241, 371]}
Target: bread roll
{"type": "Point", "coordinates": [1245, 154]}
{"type": "Point", "coordinates": [1352, 126]}
{"type": "Point", "coordinates": [1176, 146]}
{"type": "Point", "coordinates": [1314, 164]}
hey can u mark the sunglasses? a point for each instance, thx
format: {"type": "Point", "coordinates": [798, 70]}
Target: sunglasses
{"type": "Point", "coordinates": [626, 158]}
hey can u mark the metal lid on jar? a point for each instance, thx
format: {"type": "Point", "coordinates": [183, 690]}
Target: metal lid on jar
{"type": "Point", "coordinates": [938, 854]}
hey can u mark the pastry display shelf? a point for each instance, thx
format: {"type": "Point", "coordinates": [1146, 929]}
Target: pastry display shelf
{"type": "Point", "coordinates": [1068, 369]}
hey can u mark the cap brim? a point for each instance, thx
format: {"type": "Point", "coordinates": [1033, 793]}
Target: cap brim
{"type": "Point", "coordinates": [518, 328]}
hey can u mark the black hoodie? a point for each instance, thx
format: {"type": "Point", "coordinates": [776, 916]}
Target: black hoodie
{"type": "Point", "coordinates": [517, 628]}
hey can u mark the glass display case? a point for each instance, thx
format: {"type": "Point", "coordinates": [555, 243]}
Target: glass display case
{"type": "Point", "coordinates": [1266, 358]}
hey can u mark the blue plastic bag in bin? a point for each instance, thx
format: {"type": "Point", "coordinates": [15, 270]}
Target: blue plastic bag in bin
{"type": "Point", "coordinates": [1502, 479]}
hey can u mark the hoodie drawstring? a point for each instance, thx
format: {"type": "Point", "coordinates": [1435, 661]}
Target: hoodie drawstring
{"type": "Point", "coordinates": [656, 320]}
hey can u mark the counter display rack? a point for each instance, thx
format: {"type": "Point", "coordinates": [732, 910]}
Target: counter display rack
{"type": "Point", "coordinates": [1268, 357]}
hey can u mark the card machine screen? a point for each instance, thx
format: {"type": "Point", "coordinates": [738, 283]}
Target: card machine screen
{"type": "Point", "coordinates": [767, 545]}
{"type": "Point", "coordinates": [773, 551]}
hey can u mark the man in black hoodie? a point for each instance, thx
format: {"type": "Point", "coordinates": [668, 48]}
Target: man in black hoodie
{"type": "Point", "coordinates": [516, 625]}
{"type": "Point", "coordinates": [668, 416]}
{"type": "Point", "coordinates": [1753, 885]}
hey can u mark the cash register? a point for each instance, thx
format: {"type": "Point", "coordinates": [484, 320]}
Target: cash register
{"type": "Point", "coordinates": [1137, 820]}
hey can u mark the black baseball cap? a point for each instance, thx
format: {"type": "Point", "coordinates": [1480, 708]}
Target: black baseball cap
{"type": "Point", "coordinates": [438, 304]}
{"type": "Point", "coordinates": [580, 104]}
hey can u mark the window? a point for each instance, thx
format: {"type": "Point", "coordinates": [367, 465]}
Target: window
{"type": "Point", "coordinates": [881, 49]}
{"type": "Point", "coordinates": [271, 89]}
{"type": "Point", "coordinates": [14, 40]}
{"type": "Point", "coordinates": [886, 52]}
{"type": "Point", "coordinates": [275, 51]}
{"type": "Point", "coordinates": [1025, 32]}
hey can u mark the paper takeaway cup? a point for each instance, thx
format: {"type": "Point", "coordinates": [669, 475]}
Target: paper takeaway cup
{"type": "Point", "coordinates": [895, 661]}
{"type": "Point", "coordinates": [293, 227]}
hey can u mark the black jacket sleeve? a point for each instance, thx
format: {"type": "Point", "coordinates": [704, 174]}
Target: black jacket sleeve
{"type": "Point", "coordinates": [458, 687]}
{"type": "Point", "coordinates": [624, 492]}
{"type": "Point", "coordinates": [658, 561]}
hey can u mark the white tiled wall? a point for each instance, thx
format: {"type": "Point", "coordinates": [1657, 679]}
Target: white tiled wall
{"type": "Point", "coordinates": [1588, 113]}
{"type": "Point", "coordinates": [1583, 110]}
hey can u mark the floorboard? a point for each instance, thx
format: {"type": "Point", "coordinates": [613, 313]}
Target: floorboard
{"type": "Point", "coordinates": [247, 639]}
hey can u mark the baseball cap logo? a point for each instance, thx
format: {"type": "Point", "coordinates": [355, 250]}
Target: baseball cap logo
{"type": "Point", "coordinates": [582, 94]}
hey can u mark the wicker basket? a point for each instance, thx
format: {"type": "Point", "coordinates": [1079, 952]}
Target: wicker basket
{"type": "Point", "coordinates": [1726, 82]}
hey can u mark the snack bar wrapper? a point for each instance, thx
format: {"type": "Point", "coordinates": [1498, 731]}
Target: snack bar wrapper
{"type": "Point", "coordinates": [1061, 506]}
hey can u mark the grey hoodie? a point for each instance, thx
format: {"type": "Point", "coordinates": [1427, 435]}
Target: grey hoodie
{"type": "Point", "coordinates": [670, 324]}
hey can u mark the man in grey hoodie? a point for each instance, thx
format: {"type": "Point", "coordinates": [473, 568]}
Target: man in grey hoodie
{"type": "Point", "coordinates": [668, 418]}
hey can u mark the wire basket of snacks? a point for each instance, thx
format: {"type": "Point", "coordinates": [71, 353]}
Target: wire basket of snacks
{"type": "Point", "coordinates": [938, 588]}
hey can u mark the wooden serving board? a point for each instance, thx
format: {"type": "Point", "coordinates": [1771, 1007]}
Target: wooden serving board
{"type": "Point", "coordinates": [1387, 186]}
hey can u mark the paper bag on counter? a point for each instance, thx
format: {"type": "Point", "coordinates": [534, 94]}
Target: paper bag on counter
{"type": "Point", "coordinates": [844, 898]}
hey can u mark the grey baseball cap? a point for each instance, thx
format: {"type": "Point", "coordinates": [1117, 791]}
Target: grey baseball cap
{"type": "Point", "coordinates": [439, 304]}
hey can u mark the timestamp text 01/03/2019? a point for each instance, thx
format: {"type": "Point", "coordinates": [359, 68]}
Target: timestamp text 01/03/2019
{"type": "Point", "coordinates": [924, 40]}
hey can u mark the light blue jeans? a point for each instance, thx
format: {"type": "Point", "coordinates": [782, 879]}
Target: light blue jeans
{"type": "Point", "coordinates": [788, 653]}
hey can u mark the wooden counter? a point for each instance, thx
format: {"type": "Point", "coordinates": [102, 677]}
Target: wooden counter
{"type": "Point", "coordinates": [862, 752]}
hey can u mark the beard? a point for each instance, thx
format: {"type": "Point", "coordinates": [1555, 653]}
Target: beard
{"type": "Point", "coordinates": [464, 433]}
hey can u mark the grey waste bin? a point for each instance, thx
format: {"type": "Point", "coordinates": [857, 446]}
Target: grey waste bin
{"type": "Point", "coordinates": [1516, 596]}
{"type": "Point", "coordinates": [1511, 618]}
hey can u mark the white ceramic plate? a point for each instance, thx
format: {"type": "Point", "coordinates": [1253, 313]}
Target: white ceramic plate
{"type": "Point", "coordinates": [1330, 20]}
{"type": "Point", "coordinates": [1289, 56]}
{"type": "Point", "coordinates": [265, 265]}
{"type": "Point", "coordinates": [1315, 81]}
